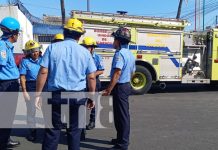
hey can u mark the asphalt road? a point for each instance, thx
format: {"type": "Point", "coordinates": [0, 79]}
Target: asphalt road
{"type": "Point", "coordinates": [177, 118]}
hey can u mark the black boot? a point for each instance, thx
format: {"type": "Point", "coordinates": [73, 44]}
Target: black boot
{"type": "Point", "coordinates": [32, 136]}
{"type": "Point", "coordinates": [83, 135]}
{"type": "Point", "coordinates": [91, 125]}
{"type": "Point", "coordinates": [114, 141]}
{"type": "Point", "coordinates": [67, 131]}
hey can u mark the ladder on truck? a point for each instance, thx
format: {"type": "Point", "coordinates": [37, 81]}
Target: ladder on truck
{"type": "Point", "coordinates": [129, 20]}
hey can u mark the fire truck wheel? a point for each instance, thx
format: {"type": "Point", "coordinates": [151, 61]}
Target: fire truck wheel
{"type": "Point", "coordinates": [141, 81]}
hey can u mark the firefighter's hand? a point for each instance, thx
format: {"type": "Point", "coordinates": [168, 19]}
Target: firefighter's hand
{"type": "Point", "coordinates": [90, 104]}
{"type": "Point", "coordinates": [106, 92]}
{"type": "Point", "coordinates": [26, 96]}
{"type": "Point", "coordinates": [38, 102]}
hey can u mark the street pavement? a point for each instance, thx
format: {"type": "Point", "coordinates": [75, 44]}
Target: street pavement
{"type": "Point", "coordinates": [180, 117]}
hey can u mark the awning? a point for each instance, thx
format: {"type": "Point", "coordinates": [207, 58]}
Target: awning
{"type": "Point", "coordinates": [39, 28]}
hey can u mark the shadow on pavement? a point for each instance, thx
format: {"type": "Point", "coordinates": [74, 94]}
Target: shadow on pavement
{"type": "Point", "coordinates": [63, 139]}
{"type": "Point", "coordinates": [90, 146]}
{"type": "Point", "coordinates": [183, 88]}
{"type": "Point", "coordinates": [97, 141]}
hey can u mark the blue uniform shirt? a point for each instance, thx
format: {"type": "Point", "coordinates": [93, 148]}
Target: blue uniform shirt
{"type": "Point", "coordinates": [124, 60]}
{"type": "Point", "coordinates": [30, 68]}
{"type": "Point", "coordinates": [98, 61]}
{"type": "Point", "coordinates": [8, 68]}
{"type": "Point", "coordinates": [68, 64]}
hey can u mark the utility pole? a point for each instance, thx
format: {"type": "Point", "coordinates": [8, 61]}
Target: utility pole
{"type": "Point", "coordinates": [195, 15]}
{"type": "Point", "coordinates": [203, 13]}
{"type": "Point", "coordinates": [198, 14]}
{"type": "Point", "coordinates": [62, 11]}
{"type": "Point", "coordinates": [88, 5]}
{"type": "Point", "coordinates": [179, 9]}
{"type": "Point", "coordinates": [216, 20]}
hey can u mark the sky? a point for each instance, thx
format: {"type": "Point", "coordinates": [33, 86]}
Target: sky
{"type": "Point", "coordinates": [158, 8]}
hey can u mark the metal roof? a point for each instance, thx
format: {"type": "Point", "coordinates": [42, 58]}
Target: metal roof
{"type": "Point", "coordinates": [40, 28]}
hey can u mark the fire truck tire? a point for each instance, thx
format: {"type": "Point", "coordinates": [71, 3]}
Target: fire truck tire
{"type": "Point", "coordinates": [141, 81]}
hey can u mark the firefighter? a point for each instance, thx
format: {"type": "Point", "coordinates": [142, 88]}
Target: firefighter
{"type": "Point", "coordinates": [123, 67]}
{"type": "Point", "coordinates": [9, 75]}
{"type": "Point", "coordinates": [66, 71]}
{"type": "Point", "coordinates": [29, 69]}
{"type": "Point", "coordinates": [58, 38]}
{"type": "Point", "coordinates": [91, 44]}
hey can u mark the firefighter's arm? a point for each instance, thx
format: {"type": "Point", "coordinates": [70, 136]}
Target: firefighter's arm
{"type": "Point", "coordinates": [100, 66]}
{"type": "Point", "coordinates": [23, 86]}
{"type": "Point", "coordinates": [41, 79]}
{"type": "Point", "coordinates": [91, 82]}
{"type": "Point", "coordinates": [99, 72]}
{"type": "Point", "coordinates": [40, 82]}
{"type": "Point", "coordinates": [115, 78]}
{"type": "Point", "coordinates": [23, 83]}
{"type": "Point", "coordinates": [90, 72]}
{"type": "Point", "coordinates": [92, 85]}
{"type": "Point", "coordinates": [23, 72]}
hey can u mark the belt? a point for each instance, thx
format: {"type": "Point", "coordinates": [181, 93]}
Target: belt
{"type": "Point", "coordinates": [31, 81]}
{"type": "Point", "coordinates": [63, 90]}
{"type": "Point", "coordinates": [12, 80]}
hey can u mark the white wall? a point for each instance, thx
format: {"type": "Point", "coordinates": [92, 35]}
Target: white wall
{"type": "Point", "coordinates": [26, 26]}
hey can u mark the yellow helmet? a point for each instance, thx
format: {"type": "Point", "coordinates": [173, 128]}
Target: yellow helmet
{"type": "Point", "coordinates": [31, 44]}
{"type": "Point", "coordinates": [59, 36]}
{"type": "Point", "coordinates": [74, 24]}
{"type": "Point", "coordinates": [89, 41]}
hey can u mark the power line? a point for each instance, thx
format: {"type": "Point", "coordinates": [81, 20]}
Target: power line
{"type": "Point", "coordinates": [41, 6]}
{"type": "Point", "coordinates": [210, 7]}
{"type": "Point", "coordinates": [150, 14]}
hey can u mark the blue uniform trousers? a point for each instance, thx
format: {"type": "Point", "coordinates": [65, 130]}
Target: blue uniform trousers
{"type": "Point", "coordinates": [51, 137]}
{"type": "Point", "coordinates": [8, 104]}
{"type": "Point", "coordinates": [121, 93]}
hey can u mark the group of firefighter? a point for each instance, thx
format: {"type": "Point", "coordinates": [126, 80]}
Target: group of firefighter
{"type": "Point", "coordinates": [66, 66]}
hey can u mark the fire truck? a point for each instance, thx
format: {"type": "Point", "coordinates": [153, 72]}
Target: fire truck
{"type": "Point", "coordinates": [163, 51]}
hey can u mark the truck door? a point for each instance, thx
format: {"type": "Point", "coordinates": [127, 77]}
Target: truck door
{"type": "Point", "coordinates": [167, 46]}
